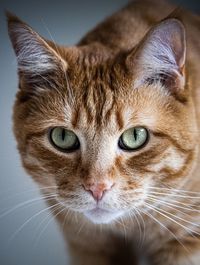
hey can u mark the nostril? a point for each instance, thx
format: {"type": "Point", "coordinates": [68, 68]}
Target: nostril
{"type": "Point", "coordinates": [112, 185]}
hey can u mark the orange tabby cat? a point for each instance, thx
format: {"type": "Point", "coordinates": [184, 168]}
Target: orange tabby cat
{"type": "Point", "coordinates": [109, 129]}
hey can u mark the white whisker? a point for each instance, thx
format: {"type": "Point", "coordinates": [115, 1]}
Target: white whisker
{"type": "Point", "coordinates": [52, 216]}
{"type": "Point", "coordinates": [26, 203]}
{"type": "Point", "coordinates": [174, 195]}
{"type": "Point", "coordinates": [174, 190]}
{"type": "Point", "coordinates": [173, 204]}
{"type": "Point", "coordinates": [24, 192]}
{"type": "Point", "coordinates": [28, 221]}
{"type": "Point", "coordinates": [175, 201]}
{"type": "Point", "coordinates": [124, 229]}
{"type": "Point", "coordinates": [139, 226]}
{"type": "Point", "coordinates": [143, 223]}
{"type": "Point", "coordinates": [162, 225]}
{"type": "Point", "coordinates": [163, 213]}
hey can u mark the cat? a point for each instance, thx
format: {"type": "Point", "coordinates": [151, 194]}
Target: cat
{"type": "Point", "coordinates": [109, 129]}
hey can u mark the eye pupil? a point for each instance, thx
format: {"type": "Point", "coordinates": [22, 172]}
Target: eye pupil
{"type": "Point", "coordinates": [63, 134]}
{"type": "Point", "coordinates": [135, 134]}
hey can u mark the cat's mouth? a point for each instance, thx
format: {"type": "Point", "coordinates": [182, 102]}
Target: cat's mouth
{"type": "Point", "coordinates": [99, 215]}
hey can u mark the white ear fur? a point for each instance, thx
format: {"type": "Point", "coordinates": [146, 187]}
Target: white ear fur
{"type": "Point", "coordinates": [162, 53]}
{"type": "Point", "coordinates": [34, 55]}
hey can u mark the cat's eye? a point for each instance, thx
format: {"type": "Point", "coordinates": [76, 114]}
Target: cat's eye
{"type": "Point", "coordinates": [64, 139]}
{"type": "Point", "coordinates": [134, 139]}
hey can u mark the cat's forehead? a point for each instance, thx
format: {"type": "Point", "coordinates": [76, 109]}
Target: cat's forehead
{"type": "Point", "coordinates": [104, 109]}
{"type": "Point", "coordinates": [100, 97]}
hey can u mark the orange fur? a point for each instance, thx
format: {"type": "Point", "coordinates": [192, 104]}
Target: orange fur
{"type": "Point", "coordinates": [100, 88]}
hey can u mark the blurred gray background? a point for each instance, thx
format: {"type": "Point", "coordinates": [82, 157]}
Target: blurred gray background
{"type": "Point", "coordinates": [28, 234]}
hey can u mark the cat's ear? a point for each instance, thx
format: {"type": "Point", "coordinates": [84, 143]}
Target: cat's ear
{"type": "Point", "coordinates": [161, 56]}
{"type": "Point", "coordinates": [35, 56]}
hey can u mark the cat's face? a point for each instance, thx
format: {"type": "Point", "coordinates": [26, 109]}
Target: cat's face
{"type": "Point", "coordinates": [96, 130]}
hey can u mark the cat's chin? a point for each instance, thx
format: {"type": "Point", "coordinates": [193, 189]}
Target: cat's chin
{"type": "Point", "coordinates": [101, 216]}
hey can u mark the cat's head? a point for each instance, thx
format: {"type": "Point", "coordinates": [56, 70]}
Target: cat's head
{"type": "Point", "coordinates": [104, 131]}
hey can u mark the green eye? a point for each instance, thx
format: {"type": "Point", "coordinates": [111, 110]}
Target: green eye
{"type": "Point", "coordinates": [133, 139]}
{"type": "Point", "coordinates": [64, 139]}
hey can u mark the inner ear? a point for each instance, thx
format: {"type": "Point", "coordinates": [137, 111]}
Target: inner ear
{"type": "Point", "coordinates": [161, 56]}
{"type": "Point", "coordinates": [37, 59]}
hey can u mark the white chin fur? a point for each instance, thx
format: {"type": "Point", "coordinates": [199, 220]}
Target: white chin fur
{"type": "Point", "coordinates": [99, 216]}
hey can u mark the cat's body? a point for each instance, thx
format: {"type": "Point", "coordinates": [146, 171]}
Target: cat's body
{"type": "Point", "coordinates": [109, 87]}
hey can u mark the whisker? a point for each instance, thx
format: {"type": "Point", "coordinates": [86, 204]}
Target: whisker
{"type": "Point", "coordinates": [174, 205]}
{"type": "Point", "coordinates": [139, 226]}
{"type": "Point", "coordinates": [124, 228]}
{"type": "Point", "coordinates": [175, 200]}
{"type": "Point", "coordinates": [178, 217]}
{"type": "Point", "coordinates": [80, 228]}
{"type": "Point", "coordinates": [162, 225]}
{"type": "Point", "coordinates": [52, 217]}
{"type": "Point", "coordinates": [71, 94]}
{"type": "Point", "coordinates": [57, 50]}
{"type": "Point", "coordinates": [26, 203]}
{"type": "Point", "coordinates": [51, 36]}
{"type": "Point", "coordinates": [175, 190]}
{"type": "Point", "coordinates": [143, 223]}
{"type": "Point", "coordinates": [24, 192]}
{"type": "Point", "coordinates": [28, 221]}
{"type": "Point", "coordinates": [46, 217]}
{"type": "Point", "coordinates": [65, 218]}
{"type": "Point", "coordinates": [192, 232]}
{"type": "Point", "coordinates": [175, 195]}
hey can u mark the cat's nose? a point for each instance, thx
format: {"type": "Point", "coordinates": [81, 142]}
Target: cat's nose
{"type": "Point", "coordinates": [98, 189]}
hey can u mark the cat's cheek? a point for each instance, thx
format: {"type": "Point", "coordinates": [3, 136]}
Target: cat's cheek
{"type": "Point", "coordinates": [38, 172]}
{"type": "Point", "coordinates": [171, 158]}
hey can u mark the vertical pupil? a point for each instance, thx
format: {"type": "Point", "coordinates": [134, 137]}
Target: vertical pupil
{"type": "Point", "coordinates": [135, 134]}
{"type": "Point", "coordinates": [63, 135]}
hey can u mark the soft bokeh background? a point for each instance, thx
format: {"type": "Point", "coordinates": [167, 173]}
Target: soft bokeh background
{"type": "Point", "coordinates": [28, 234]}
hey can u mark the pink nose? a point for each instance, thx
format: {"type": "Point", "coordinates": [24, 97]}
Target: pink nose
{"type": "Point", "coordinates": [98, 189]}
